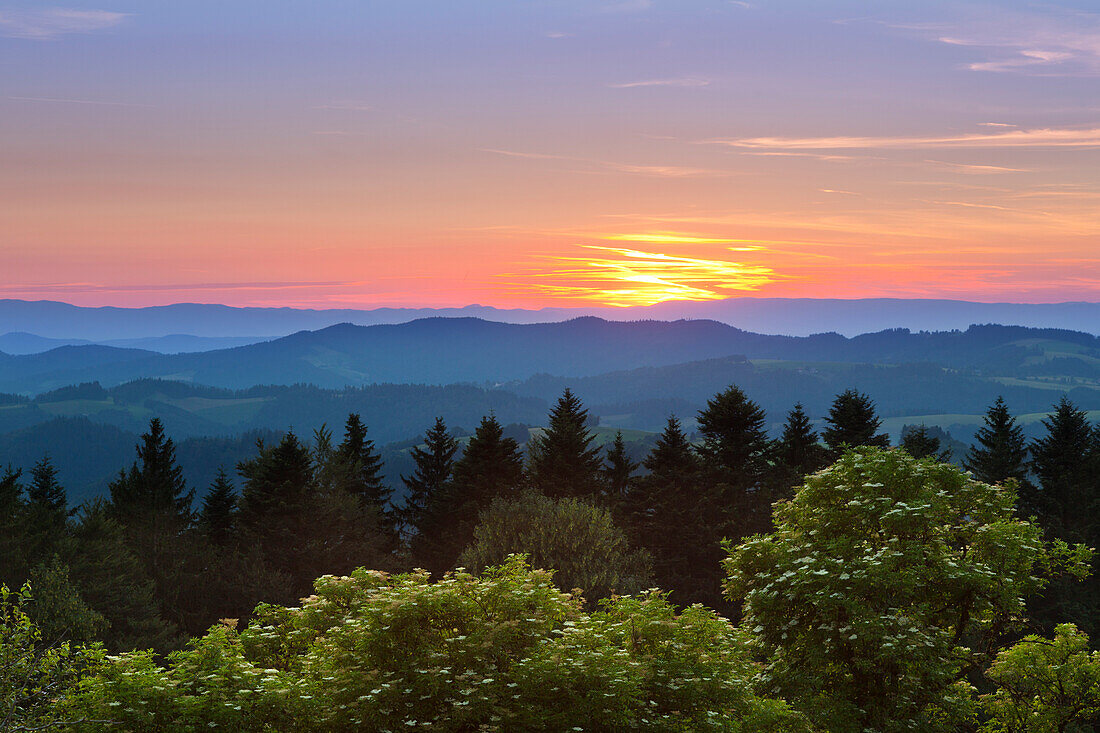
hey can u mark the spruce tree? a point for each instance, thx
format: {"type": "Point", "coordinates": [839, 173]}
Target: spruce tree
{"type": "Point", "coordinates": [660, 501]}
{"type": "Point", "coordinates": [797, 453]}
{"type": "Point", "coordinates": [301, 528]}
{"type": "Point", "coordinates": [13, 560]}
{"type": "Point", "coordinates": [114, 582]}
{"type": "Point", "coordinates": [1001, 451]}
{"type": "Point", "coordinates": [1065, 462]}
{"type": "Point", "coordinates": [919, 443]}
{"type": "Point", "coordinates": [153, 504]}
{"type": "Point", "coordinates": [219, 509]}
{"type": "Point", "coordinates": [673, 456]}
{"type": "Point", "coordinates": [434, 464]}
{"type": "Point", "coordinates": [46, 512]}
{"type": "Point", "coordinates": [852, 423]}
{"type": "Point", "coordinates": [618, 473]}
{"type": "Point", "coordinates": [278, 482]}
{"type": "Point", "coordinates": [674, 513]}
{"type": "Point", "coordinates": [46, 495]}
{"type": "Point", "coordinates": [562, 462]}
{"type": "Point", "coordinates": [735, 444]}
{"type": "Point", "coordinates": [366, 482]}
{"type": "Point", "coordinates": [153, 496]}
{"type": "Point", "coordinates": [490, 466]}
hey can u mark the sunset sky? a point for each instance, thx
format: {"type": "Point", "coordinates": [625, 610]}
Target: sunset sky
{"type": "Point", "coordinates": [547, 152]}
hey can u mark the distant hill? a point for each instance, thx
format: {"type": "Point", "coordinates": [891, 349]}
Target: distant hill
{"type": "Point", "coordinates": [643, 398]}
{"type": "Point", "coordinates": [20, 343]}
{"type": "Point", "coordinates": [445, 351]}
{"type": "Point", "coordinates": [393, 411]}
{"type": "Point", "coordinates": [790, 316]}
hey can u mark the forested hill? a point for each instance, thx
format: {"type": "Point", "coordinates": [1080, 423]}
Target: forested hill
{"type": "Point", "coordinates": [450, 350]}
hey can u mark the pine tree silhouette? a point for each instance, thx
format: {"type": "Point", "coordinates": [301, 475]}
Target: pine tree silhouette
{"type": "Point", "coordinates": [853, 423]}
{"type": "Point", "coordinates": [562, 462]}
{"type": "Point", "coordinates": [618, 473]}
{"type": "Point", "coordinates": [219, 508]}
{"type": "Point", "coordinates": [919, 443]}
{"type": "Point", "coordinates": [491, 466]}
{"type": "Point", "coordinates": [366, 481]}
{"type": "Point", "coordinates": [434, 465]}
{"type": "Point", "coordinates": [1001, 450]}
{"type": "Point", "coordinates": [735, 444]}
{"type": "Point", "coordinates": [797, 454]}
{"type": "Point", "coordinates": [1065, 461]}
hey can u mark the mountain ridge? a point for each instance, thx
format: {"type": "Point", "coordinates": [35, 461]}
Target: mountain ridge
{"type": "Point", "coordinates": [472, 350]}
{"type": "Point", "coordinates": [790, 316]}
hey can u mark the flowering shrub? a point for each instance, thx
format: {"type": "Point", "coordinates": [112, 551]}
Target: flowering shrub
{"type": "Point", "coordinates": [885, 583]}
{"type": "Point", "coordinates": [504, 651]}
{"type": "Point", "coordinates": [37, 675]}
{"type": "Point", "coordinates": [1044, 684]}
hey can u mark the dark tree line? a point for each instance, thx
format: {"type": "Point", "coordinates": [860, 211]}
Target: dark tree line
{"type": "Point", "coordinates": [144, 568]}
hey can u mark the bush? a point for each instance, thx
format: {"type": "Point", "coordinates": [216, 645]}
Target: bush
{"type": "Point", "coordinates": [885, 583]}
{"type": "Point", "coordinates": [578, 540]}
{"type": "Point", "coordinates": [1044, 685]}
{"type": "Point", "coordinates": [503, 652]}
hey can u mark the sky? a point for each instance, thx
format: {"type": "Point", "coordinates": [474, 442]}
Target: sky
{"type": "Point", "coordinates": [529, 153]}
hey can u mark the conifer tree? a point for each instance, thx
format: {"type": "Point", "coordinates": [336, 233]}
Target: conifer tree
{"type": "Point", "coordinates": [302, 529]}
{"type": "Point", "coordinates": [278, 482]}
{"type": "Point", "coordinates": [618, 473]}
{"type": "Point", "coordinates": [491, 466]}
{"type": "Point", "coordinates": [673, 513]}
{"type": "Point", "coordinates": [1066, 502]}
{"type": "Point", "coordinates": [434, 464]}
{"type": "Point", "coordinates": [366, 475]}
{"type": "Point", "coordinates": [153, 495]}
{"type": "Point", "coordinates": [153, 504]}
{"type": "Point", "coordinates": [46, 512]}
{"type": "Point", "coordinates": [114, 582]}
{"type": "Point", "coordinates": [562, 462]}
{"type": "Point", "coordinates": [919, 443]}
{"type": "Point", "coordinates": [1001, 451]}
{"type": "Point", "coordinates": [1065, 462]}
{"type": "Point", "coordinates": [735, 444]}
{"type": "Point", "coordinates": [852, 423]}
{"type": "Point", "coordinates": [46, 495]}
{"type": "Point", "coordinates": [13, 558]}
{"type": "Point", "coordinates": [219, 508]}
{"type": "Point", "coordinates": [798, 452]}
{"type": "Point", "coordinates": [673, 456]}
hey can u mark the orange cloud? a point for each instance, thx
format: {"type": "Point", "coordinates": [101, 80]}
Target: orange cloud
{"type": "Point", "coordinates": [625, 277]}
{"type": "Point", "coordinates": [1038, 138]}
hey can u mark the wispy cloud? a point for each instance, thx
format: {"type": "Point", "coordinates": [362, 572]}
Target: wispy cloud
{"type": "Point", "coordinates": [88, 287]}
{"type": "Point", "coordinates": [664, 171]}
{"type": "Point", "coordinates": [814, 156]}
{"type": "Point", "coordinates": [683, 82]}
{"type": "Point", "coordinates": [521, 154]}
{"type": "Point", "coordinates": [58, 100]}
{"type": "Point", "coordinates": [1038, 138]}
{"type": "Point", "coordinates": [972, 169]}
{"type": "Point", "coordinates": [51, 23]}
{"type": "Point", "coordinates": [624, 277]}
{"type": "Point", "coordinates": [1047, 42]}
